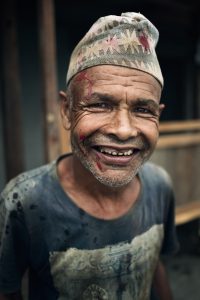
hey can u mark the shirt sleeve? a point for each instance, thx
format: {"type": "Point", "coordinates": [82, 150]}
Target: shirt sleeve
{"type": "Point", "coordinates": [14, 243]}
{"type": "Point", "coordinates": [170, 243]}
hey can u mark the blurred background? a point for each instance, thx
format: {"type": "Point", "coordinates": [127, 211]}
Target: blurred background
{"type": "Point", "coordinates": [37, 38]}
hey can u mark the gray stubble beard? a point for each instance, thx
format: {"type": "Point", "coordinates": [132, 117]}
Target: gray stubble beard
{"type": "Point", "coordinates": [107, 181]}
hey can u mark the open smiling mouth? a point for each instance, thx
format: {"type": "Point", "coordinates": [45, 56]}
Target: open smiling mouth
{"type": "Point", "coordinates": [113, 152]}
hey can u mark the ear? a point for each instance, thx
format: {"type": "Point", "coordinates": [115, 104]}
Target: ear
{"type": "Point", "coordinates": [64, 109]}
{"type": "Point", "coordinates": [161, 107]}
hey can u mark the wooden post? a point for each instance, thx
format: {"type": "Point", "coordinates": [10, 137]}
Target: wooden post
{"type": "Point", "coordinates": [198, 91]}
{"type": "Point", "coordinates": [11, 92]}
{"type": "Point", "coordinates": [197, 58]}
{"type": "Point", "coordinates": [47, 46]}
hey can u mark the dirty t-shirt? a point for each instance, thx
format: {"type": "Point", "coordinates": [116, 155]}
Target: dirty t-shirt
{"type": "Point", "coordinates": [72, 255]}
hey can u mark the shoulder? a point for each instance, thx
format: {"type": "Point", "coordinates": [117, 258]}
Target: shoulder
{"type": "Point", "coordinates": [23, 186]}
{"type": "Point", "coordinates": [156, 175]}
{"type": "Point", "coordinates": [157, 183]}
{"type": "Point", "coordinates": [158, 193]}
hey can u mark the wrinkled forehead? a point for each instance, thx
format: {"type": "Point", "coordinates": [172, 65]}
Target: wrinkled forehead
{"type": "Point", "coordinates": [107, 76]}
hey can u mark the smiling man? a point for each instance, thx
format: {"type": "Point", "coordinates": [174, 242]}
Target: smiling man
{"type": "Point", "coordinates": [93, 224]}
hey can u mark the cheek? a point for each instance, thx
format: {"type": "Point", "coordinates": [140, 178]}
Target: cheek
{"type": "Point", "coordinates": [150, 130]}
{"type": "Point", "coordinates": [153, 135]}
{"type": "Point", "coordinates": [87, 123]}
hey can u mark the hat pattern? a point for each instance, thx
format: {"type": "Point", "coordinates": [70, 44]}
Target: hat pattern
{"type": "Point", "coordinates": [128, 40]}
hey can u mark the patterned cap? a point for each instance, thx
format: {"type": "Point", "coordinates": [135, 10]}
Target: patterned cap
{"type": "Point", "coordinates": [128, 40]}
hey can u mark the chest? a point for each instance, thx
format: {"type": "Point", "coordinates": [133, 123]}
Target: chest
{"type": "Point", "coordinates": [124, 269]}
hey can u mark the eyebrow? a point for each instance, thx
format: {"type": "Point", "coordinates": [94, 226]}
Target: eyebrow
{"type": "Point", "coordinates": [147, 102]}
{"type": "Point", "coordinates": [102, 97]}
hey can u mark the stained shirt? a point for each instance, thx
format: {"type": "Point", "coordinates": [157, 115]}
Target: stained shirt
{"type": "Point", "coordinates": [73, 255]}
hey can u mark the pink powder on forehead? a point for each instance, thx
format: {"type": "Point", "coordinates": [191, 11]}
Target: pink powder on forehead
{"type": "Point", "coordinates": [83, 76]}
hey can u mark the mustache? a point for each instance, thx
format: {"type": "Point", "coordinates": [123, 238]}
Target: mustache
{"type": "Point", "coordinates": [100, 139]}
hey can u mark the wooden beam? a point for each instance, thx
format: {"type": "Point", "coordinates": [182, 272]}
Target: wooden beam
{"type": "Point", "coordinates": [14, 162]}
{"type": "Point", "coordinates": [197, 60]}
{"type": "Point", "coordinates": [47, 46]}
{"type": "Point", "coordinates": [198, 86]}
{"type": "Point", "coordinates": [179, 134]}
{"type": "Point", "coordinates": [178, 140]}
{"type": "Point", "coordinates": [191, 125]}
{"type": "Point", "coordinates": [187, 212]}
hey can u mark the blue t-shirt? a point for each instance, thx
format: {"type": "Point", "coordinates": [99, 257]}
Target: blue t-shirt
{"type": "Point", "coordinates": [73, 255]}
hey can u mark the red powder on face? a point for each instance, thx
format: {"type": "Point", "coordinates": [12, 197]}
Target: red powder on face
{"type": "Point", "coordinates": [82, 138]}
{"type": "Point", "coordinates": [99, 166]}
{"type": "Point", "coordinates": [98, 163]}
{"type": "Point", "coordinates": [83, 76]}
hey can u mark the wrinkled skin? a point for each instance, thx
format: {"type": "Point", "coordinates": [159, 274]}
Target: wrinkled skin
{"type": "Point", "coordinates": [112, 110]}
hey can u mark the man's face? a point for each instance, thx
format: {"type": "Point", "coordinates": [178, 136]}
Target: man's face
{"type": "Point", "coordinates": [114, 119]}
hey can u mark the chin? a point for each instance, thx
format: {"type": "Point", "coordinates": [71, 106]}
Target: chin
{"type": "Point", "coordinates": [112, 178]}
{"type": "Point", "coordinates": [112, 182]}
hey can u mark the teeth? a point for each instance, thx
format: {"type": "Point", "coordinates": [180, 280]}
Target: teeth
{"type": "Point", "coordinates": [115, 153]}
{"type": "Point", "coordinates": [128, 152]}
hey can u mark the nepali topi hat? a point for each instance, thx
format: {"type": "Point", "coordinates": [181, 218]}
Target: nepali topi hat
{"type": "Point", "coordinates": [128, 40]}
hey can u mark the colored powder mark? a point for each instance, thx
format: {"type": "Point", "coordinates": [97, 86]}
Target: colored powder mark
{"type": "Point", "coordinates": [83, 76]}
{"type": "Point", "coordinates": [81, 137]}
{"type": "Point", "coordinates": [144, 41]}
{"type": "Point", "coordinates": [99, 165]}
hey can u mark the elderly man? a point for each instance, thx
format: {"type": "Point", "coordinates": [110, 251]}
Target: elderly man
{"type": "Point", "coordinates": [92, 224]}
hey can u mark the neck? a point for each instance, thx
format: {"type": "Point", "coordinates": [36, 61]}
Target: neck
{"type": "Point", "coordinates": [87, 181]}
{"type": "Point", "coordinates": [102, 201]}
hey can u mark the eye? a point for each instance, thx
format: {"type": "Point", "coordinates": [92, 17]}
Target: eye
{"type": "Point", "coordinates": [145, 111]}
{"type": "Point", "coordinates": [99, 106]}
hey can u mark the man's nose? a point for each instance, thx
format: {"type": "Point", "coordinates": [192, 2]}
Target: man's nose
{"type": "Point", "coordinates": [123, 125]}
